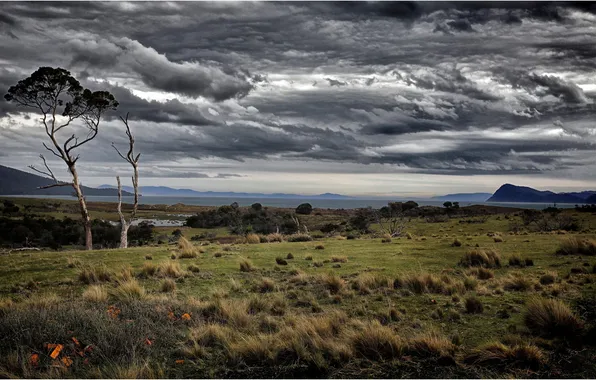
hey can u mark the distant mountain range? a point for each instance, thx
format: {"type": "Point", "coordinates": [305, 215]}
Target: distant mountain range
{"type": "Point", "coordinates": [464, 197]}
{"type": "Point", "coordinates": [164, 191]}
{"type": "Point", "coordinates": [18, 182]}
{"type": "Point", "coordinates": [512, 193]}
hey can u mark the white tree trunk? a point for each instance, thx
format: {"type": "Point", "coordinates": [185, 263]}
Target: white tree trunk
{"type": "Point", "coordinates": [123, 223]}
{"type": "Point", "coordinates": [83, 206]}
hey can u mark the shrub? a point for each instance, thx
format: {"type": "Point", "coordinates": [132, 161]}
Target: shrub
{"type": "Point", "coordinates": [246, 266]}
{"type": "Point", "coordinates": [317, 264]}
{"type": "Point", "coordinates": [94, 275]}
{"type": "Point", "coordinates": [319, 246]}
{"type": "Point", "coordinates": [456, 243]}
{"type": "Point", "coordinates": [498, 239]}
{"type": "Point", "coordinates": [128, 291]}
{"type": "Point", "coordinates": [148, 257]}
{"type": "Point", "coordinates": [548, 278]}
{"type": "Point", "coordinates": [499, 355]}
{"type": "Point", "coordinates": [95, 293]}
{"type": "Point", "coordinates": [168, 286]}
{"type": "Point", "coordinates": [187, 249]}
{"type": "Point", "coordinates": [304, 209]}
{"type": "Point", "coordinates": [552, 318]}
{"type": "Point", "coordinates": [289, 256]}
{"type": "Point", "coordinates": [280, 261]}
{"type": "Point", "coordinates": [577, 246]}
{"type": "Point", "coordinates": [253, 239]}
{"type": "Point", "coordinates": [339, 259]}
{"type": "Point", "coordinates": [481, 258]}
{"type": "Point", "coordinates": [474, 305]}
{"type": "Point", "coordinates": [299, 238]}
{"type": "Point", "coordinates": [308, 257]}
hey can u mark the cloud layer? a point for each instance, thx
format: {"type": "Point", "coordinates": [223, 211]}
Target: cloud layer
{"type": "Point", "coordinates": [222, 91]}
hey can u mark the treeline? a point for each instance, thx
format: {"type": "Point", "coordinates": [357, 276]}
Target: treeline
{"type": "Point", "coordinates": [55, 233]}
{"type": "Point", "coordinates": [255, 219]}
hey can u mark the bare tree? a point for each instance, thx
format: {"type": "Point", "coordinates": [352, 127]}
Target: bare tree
{"type": "Point", "coordinates": [392, 219]}
{"type": "Point", "coordinates": [61, 100]}
{"type": "Point", "coordinates": [133, 160]}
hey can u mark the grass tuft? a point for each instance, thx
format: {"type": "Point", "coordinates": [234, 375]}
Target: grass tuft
{"type": "Point", "coordinates": [486, 258]}
{"type": "Point", "coordinates": [246, 266]}
{"type": "Point", "coordinates": [128, 291]}
{"type": "Point", "coordinates": [95, 293]}
{"type": "Point", "coordinates": [577, 246]}
{"type": "Point", "coordinates": [168, 286]}
{"type": "Point", "coordinates": [186, 248]}
{"type": "Point", "coordinates": [253, 239]}
{"type": "Point", "coordinates": [552, 318]}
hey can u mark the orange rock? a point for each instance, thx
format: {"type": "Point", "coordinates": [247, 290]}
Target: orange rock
{"type": "Point", "coordinates": [56, 351]}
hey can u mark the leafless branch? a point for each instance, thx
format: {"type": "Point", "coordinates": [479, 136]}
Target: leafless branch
{"type": "Point", "coordinates": [48, 173]}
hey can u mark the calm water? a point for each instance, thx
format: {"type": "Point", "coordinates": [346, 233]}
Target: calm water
{"type": "Point", "coordinates": [291, 203]}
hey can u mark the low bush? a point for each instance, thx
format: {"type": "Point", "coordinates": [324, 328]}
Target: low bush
{"type": "Point", "coordinates": [474, 305]}
{"type": "Point", "coordinates": [280, 261]}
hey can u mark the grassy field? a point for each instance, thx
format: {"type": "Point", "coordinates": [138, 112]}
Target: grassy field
{"type": "Point", "coordinates": [331, 307]}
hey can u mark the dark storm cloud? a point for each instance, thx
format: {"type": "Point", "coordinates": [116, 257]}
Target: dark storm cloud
{"type": "Point", "coordinates": [335, 82]}
{"type": "Point", "coordinates": [567, 91]}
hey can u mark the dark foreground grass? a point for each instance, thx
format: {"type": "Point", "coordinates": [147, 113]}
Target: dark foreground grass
{"type": "Point", "coordinates": [358, 308]}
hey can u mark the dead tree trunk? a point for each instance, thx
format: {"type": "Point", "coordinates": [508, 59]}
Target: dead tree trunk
{"type": "Point", "coordinates": [83, 207]}
{"type": "Point", "coordinates": [125, 225]}
{"type": "Point", "coordinates": [134, 162]}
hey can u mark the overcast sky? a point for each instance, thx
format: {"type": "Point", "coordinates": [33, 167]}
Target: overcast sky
{"type": "Point", "coordinates": [353, 98]}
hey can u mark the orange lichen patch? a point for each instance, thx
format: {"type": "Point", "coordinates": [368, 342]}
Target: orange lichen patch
{"type": "Point", "coordinates": [76, 341]}
{"type": "Point", "coordinates": [34, 360]}
{"type": "Point", "coordinates": [171, 316]}
{"type": "Point", "coordinates": [67, 361]}
{"type": "Point", "coordinates": [56, 351]}
{"type": "Point", "coordinates": [186, 316]}
{"type": "Point", "coordinates": [113, 311]}
{"type": "Point", "coordinates": [179, 361]}
{"type": "Point", "coordinates": [148, 342]}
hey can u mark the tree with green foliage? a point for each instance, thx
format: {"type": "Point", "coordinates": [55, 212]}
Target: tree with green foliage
{"type": "Point", "coordinates": [304, 209]}
{"type": "Point", "coordinates": [447, 204]}
{"type": "Point", "coordinates": [61, 100]}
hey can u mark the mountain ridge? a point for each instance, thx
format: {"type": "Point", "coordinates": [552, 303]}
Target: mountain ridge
{"type": "Point", "coordinates": [18, 182]}
{"type": "Point", "coordinates": [513, 193]}
{"type": "Point", "coordinates": [168, 191]}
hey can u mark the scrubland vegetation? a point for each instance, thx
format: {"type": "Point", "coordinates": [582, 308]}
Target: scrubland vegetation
{"type": "Point", "coordinates": [348, 302]}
